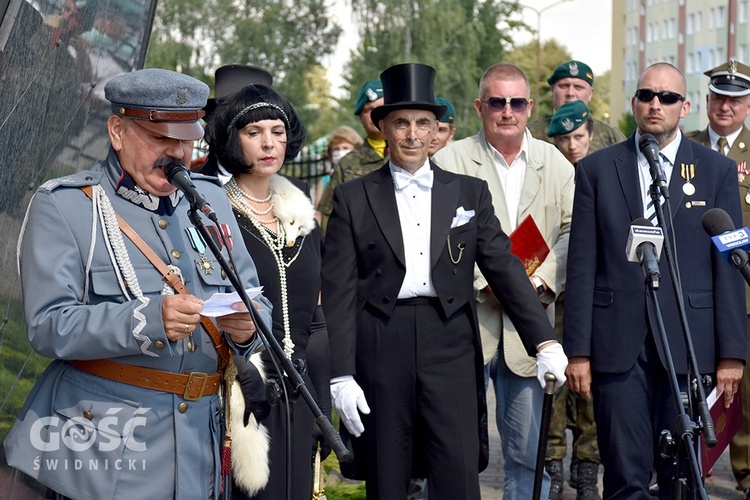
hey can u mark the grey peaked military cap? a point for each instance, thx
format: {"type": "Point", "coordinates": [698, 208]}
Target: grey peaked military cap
{"type": "Point", "coordinates": [161, 101]}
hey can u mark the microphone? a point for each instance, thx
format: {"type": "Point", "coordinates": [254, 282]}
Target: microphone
{"type": "Point", "coordinates": [644, 246]}
{"type": "Point", "coordinates": [650, 149]}
{"type": "Point", "coordinates": [178, 176]}
{"type": "Point", "coordinates": [733, 244]}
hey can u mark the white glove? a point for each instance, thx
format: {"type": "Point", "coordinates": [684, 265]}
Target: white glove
{"type": "Point", "coordinates": [349, 400]}
{"type": "Point", "coordinates": [551, 359]}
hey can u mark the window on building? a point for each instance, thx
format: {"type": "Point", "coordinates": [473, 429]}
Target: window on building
{"type": "Point", "coordinates": [720, 16]}
{"type": "Point", "coordinates": [672, 25]}
{"type": "Point", "coordinates": [649, 38]}
{"type": "Point", "coordinates": [711, 60]}
{"type": "Point", "coordinates": [743, 52]}
{"type": "Point", "coordinates": [742, 11]}
{"type": "Point", "coordinates": [690, 23]}
{"type": "Point", "coordinates": [689, 63]}
{"type": "Point", "coordinates": [719, 56]}
{"type": "Point", "coordinates": [698, 21]}
{"type": "Point", "coordinates": [664, 30]}
{"type": "Point", "coordinates": [711, 15]}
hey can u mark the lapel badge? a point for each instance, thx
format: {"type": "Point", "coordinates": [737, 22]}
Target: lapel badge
{"type": "Point", "coordinates": [687, 172]}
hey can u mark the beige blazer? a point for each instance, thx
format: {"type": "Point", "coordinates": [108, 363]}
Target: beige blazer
{"type": "Point", "coordinates": [548, 197]}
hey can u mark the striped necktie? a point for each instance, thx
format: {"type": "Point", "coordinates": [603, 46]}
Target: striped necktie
{"type": "Point", "coordinates": [650, 213]}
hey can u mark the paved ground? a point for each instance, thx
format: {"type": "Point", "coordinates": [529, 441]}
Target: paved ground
{"type": "Point", "coordinates": [719, 486]}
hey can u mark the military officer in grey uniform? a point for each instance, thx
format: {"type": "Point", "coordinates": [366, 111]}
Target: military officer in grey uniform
{"type": "Point", "coordinates": [574, 81]}
{"type": "Point", "coordinates": [129, 408]}
{"type": "Point", "coordinates": [727, 106]}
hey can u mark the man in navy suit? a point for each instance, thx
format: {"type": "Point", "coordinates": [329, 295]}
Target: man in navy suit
{"type": "Point", "coordinates": [398, 269]}
{"type": "Point", "coordinates": [609, 334]}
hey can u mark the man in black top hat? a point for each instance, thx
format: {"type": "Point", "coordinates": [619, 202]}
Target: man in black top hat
{"type": "Point", "coordinates": [398, 269]}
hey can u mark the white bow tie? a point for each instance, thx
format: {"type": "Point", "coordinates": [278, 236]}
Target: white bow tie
{"type": "Point", "coordinates": [423, 178]}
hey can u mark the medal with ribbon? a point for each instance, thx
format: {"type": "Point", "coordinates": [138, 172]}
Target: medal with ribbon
{"type": "Point", "coordinates": [196, 241]}
{"type": "Point", "coordinates": [742, 171]}
{"type": "Point", "coordinates": [687, 172]}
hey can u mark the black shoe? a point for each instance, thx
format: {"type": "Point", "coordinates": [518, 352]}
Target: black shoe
{"type": "Point", "coordinates": [555, 470]}
{"type": "Point", "coordinates": [747, 493]}
{"type": "Point", "coordinates": [588, 473]}
{"type": "Point", "coordinates": [653, 490]}
{"type": "Point", "coordinates": [573, 481]}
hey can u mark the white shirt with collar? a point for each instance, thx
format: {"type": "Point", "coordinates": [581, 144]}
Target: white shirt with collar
{"type": "Point", "coordinates": [511, 179]}
{"type": "Point", "coordinates": [414, 202]}
{"type": "Point", "coordinates": [670, 151]}
{"type": "Point", "coordinates": [713, 137]}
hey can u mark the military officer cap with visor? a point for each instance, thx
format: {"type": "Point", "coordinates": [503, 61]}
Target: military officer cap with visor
{"type": "Point", "coordinates": [161, 101]}
{"type": "Point", "coordinates": [731, 79]}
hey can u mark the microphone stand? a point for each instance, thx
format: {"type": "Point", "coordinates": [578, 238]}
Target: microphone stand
{"type": "Point", "coordinates": [685, 448]}
{"type": "Point", "coordinates": [295, 380]}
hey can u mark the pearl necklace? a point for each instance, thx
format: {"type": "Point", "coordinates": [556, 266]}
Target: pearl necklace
{"type": "Point", "coordinates": [235, 194]}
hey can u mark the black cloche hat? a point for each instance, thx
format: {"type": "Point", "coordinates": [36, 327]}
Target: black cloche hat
{"type": "Point", "coordinates": [407, 86]}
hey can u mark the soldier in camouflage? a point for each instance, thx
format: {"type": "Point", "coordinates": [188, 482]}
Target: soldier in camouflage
{"type": "Point", "coordinates": [369, 156]}
{"type": "Point", "coordinates": [574, 81]}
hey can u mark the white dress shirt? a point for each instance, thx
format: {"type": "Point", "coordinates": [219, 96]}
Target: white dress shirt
{"type": "Point", "coordinates": [414, 201]}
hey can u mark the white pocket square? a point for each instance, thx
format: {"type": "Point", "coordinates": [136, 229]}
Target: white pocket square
{"type": "Point", "coordinates": [462, 217]}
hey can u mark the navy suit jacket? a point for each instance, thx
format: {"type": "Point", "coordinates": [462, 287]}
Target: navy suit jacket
{"type": "Point", "coordinates": [364, 264]}
{"type": "Point", "coordinates": [606, 315]}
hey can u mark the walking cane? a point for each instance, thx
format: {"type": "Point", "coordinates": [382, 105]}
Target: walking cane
{"type": "Point", "coordinates": [541, 452]}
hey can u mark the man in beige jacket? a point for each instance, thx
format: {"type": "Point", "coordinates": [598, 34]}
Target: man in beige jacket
{"type": "Point", "coordinates": [526, 177]}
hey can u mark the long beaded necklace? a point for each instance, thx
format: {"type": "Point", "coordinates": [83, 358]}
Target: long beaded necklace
{"type": "Point", "coordinates": [275, 243]}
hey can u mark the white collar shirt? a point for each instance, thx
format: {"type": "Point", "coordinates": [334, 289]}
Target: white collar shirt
{"type": "Point", "coordinates": [670, 152]}
{"type": "Point", "coordinates": [713, 137]}
{"type": "Point", "coordinates": [511, 179]}
{"type": "Point", "coordinates": [414, 202]}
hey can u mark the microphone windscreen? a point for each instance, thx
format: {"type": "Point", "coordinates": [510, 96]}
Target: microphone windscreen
{"type": "Point", "coordinates": [170, 169]}
{"type": "Point", "coordinates": [716, 221]}
{"type": "Point", "coordinates": [642, 221]}
{"type": "Point", "coordinates": [647, 140]}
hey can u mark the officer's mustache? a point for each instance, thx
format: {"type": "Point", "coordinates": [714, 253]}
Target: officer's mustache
{"type": "Point", "coordinates": [164, 161]}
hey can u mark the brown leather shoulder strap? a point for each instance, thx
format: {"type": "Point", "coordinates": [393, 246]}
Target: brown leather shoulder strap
{"type": "Point", "coordinates": [173, 279]}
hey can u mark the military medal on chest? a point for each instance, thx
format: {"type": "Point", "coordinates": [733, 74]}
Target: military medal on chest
{"type": "Point", "coordinates": [687, 172]}
{"type": "Point", "coordinates": [742, 171]}
{"type": "Point", "coordinates": [196, 241]}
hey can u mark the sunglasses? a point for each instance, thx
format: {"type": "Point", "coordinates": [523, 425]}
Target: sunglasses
{"type": "Point", "coordinates": [665, 96]}
{"type": "Point", "coordinates": [517, 104]}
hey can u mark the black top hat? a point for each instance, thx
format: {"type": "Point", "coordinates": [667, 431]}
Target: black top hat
{"type": "Point", "coordinates": [407, 86]}
{"type": "Point", "coordinates": [232, 78]}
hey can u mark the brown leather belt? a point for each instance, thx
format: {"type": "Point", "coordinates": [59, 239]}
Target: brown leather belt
{"type": "Point", "coordinates": [156, 115]}
{"type": "Point", "coordinates": [190, 386]}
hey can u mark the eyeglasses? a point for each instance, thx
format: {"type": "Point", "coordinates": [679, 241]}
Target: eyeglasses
{"type": "Point", "coordinates": [517, 104]}
{"type": "Point", "coordinates": [665, 96]}
{"type": "Point", "coordinates": [402, 127]}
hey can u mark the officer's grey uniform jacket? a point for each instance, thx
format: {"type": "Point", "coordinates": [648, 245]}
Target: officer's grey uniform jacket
{"type": "Point", "coordinates": [88, 437]}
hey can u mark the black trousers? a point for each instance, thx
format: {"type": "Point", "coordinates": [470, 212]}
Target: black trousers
{"type": "Point", "coordinates": [418, 372]}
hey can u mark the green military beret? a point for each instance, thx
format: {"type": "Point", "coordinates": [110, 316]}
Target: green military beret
{"type": "Point", "coordinates": [370, 91]}
{"type": "Point", "coordinates": [450, 114]}
{"type": "Point", "coordinates": [572, 69]}
{"type": "Point", "coordinates": [568, 117]}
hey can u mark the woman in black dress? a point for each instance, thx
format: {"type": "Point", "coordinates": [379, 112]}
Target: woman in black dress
{"type": "Point", "coordinates": [251, 135]}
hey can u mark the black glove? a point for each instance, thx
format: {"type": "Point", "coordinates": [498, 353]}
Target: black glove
{"type": "Point", "coordinates": [253, 390]}
{"type": "Point", "coordinates": [319, 440]}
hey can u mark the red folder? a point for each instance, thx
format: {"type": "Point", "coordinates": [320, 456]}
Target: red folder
{"type": "Point", "coordinates": [528, 244]}
{"type": "Point", "coordinates": [726, 423]}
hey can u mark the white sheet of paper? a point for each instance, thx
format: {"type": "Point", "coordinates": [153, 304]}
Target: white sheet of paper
{"type": "Point", "coordinates": [220, 304]}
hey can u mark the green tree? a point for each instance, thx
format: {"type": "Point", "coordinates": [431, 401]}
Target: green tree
{"type": "Point", "coordinates": [289, 38]}
{"type": "Point", "coordinates": [459, 38]}
{"type": "Point", "coordinates": [552, 55]}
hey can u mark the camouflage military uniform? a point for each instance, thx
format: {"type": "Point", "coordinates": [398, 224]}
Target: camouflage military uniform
{"type": "Point", "coordinates": [359, 162]}
{"type": "Point", "coordinates": [604, 135]}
